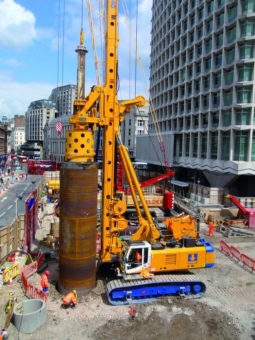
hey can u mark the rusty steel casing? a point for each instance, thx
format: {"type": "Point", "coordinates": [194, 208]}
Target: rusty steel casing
{"type": "Point", "coordinates": [78, 222]}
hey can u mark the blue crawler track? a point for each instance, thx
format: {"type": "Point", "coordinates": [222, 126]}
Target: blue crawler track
{"type": "Point", "coordinates": [121, 292]}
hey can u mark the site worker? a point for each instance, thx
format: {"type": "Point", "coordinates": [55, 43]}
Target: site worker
{"type": "Point", "coordinates": [138, 256]}
{"type": "Point", "coordinates": [70, 300]}
{"type": "Point", "coordinates": [45, 281]}
{"type": "Point", "coordinates": [211, 227]}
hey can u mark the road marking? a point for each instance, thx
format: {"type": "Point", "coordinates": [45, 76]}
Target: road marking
{"type": "Point", "coordinates": [5, 198]}
{"type": "Point", "coordinates": [10, 207]}
{"type": "Point", "coordinates": [2, 214]}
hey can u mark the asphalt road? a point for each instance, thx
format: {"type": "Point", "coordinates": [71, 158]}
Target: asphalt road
{"type": "Point", "coordinates": [12, 201]}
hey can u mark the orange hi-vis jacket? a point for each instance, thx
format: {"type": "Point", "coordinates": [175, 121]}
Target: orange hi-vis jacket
{"type": "Point", "coordinates": [70, 297]}
{"type": "Point", "coordinates": [44, 281]}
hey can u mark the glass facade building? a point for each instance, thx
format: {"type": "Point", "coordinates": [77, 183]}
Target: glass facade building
{"type": "Point", "coordinates": [202, 82]}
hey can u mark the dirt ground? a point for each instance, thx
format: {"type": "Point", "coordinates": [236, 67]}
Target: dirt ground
{"type": "Point", "coordinates": [227, 311]}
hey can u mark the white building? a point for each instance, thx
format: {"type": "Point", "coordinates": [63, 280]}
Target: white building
{"type": "Point", "coordinates": [38, 113]}
{"type": "Point", "coordinates": [17, 137]}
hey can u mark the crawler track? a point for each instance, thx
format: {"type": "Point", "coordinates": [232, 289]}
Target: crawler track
{"type": "Point", "coordinates": [121, 292]}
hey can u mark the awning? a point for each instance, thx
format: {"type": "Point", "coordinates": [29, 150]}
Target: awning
{"type": "Point", "coordinates": [180, 184]}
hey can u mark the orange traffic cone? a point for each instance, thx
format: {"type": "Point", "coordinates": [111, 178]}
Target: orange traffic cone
{"type": "Point", "coordinates": [11, 284]}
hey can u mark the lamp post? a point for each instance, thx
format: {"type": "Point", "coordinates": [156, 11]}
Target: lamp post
{"type": "Point", "coordinates": [198, 182]}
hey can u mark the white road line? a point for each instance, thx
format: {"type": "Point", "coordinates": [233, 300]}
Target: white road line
{"type": "Point", "coordinates": [2, 214]}
{"type": "Point", "coordinates": [10, 207]}
{"type": "Point", "coordinates": [5, 198]}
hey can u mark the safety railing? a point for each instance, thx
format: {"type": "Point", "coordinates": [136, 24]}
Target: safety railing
{"type": "Point", "coordinates": [30, 290]}
{"type": "Point", "coordinates": [225, 247]}
{"type": "Point", "coordinates": [235, 253]}
{"type": "Point", "coordinates": [238, 255]}
{"type": "Point", "coordinates": [248, 261]}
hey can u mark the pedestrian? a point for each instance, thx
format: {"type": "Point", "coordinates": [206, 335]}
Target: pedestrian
{"type": "Point", "coordinates": [211, 227]}
{"type": "Point", "coordinates": [45, 281]}
{"type": "Point", "coordinates": [4, 333]}
{"type": "Point", "coordinates": [70, 300]}
{"type": "Point", "coordinates": [26, 176]}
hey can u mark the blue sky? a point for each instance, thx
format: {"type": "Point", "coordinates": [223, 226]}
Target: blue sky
{"type": "Point", "coordinates": [29, 48]}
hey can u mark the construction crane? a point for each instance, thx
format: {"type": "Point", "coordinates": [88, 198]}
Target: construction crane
{"type": "Point", "coordinates": [96, 14]}
{"type": "Point", "coordinates": [146, 252]}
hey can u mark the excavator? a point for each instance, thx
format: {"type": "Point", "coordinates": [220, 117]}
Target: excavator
{"type": "Point", "coordinates": [146, 277]}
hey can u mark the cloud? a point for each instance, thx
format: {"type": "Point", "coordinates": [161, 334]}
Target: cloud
{"type": "Point", "coordinates": [15, 97]}
{"type": "Point", "coordinates": [17, 25]}
{"type": "Point", "coordinates": [12, 62]}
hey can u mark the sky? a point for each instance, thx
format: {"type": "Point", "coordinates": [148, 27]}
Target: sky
{"type": "Point", "coordinates": [38, 39]}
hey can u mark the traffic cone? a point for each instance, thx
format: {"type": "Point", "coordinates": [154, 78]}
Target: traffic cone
{"type": "Point", "coordinates": [11, 284]}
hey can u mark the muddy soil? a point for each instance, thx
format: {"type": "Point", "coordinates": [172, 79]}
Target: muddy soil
{"type": "Point", "coordinates": [226, 312]}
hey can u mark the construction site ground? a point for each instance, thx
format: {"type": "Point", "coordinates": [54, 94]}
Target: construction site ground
{"type": "Point", "coordinates": [227, 311]}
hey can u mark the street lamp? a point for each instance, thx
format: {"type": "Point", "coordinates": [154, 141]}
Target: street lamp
{"type": "Point", "coordinates": [20, 197]}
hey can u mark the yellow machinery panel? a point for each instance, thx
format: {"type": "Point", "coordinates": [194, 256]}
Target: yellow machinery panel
{"type": "Point", "coordinates": [179, 259]}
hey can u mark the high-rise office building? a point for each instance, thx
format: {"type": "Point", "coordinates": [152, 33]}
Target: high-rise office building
{"type": "Point", "coordinates": [64, 97]}
{"type": "Point", "coordinates": [203, 90]}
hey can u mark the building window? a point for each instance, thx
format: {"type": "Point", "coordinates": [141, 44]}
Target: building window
{"type": "Point", "coordinates": [210, 6]}
{"type": "Point", "coordinates": [183, 74]}
{"type": "Point", "coordinates": [230, 56]}
{"type": "Point", "coordinates": [231, 34]}
{"type": "Point", "coordinates": [219, 40]}
{"type": "Point", "coordinates": [200, 32]}
{"type": "Point", "coordinates": [189, 89]}
{"type": "Point", "coordinates": [208, 64]}
{"type": "Point", "coordinates": [195, 145]}
{"type": "Point", "coordinates": [186, 9]}
{"type": "Point", "coordinates": [190, 72]}
{"type": "Point", "coordinates": [197, 103]}
{"type": "Point", "coordinates": [187, 146]}
{"type": "Point", "coordinates": [183, 90]}
{"type": "Point", "coordinates": [247, 27]}
{"type": "Point", "coordinates": [225, 149]}
{"type": "Point", "coordinates": [191, 54]}
{"type": "Point", "coordinates": [184, 42]}
{"type": "Point", "coordinates": [214, 145]}
{"type": "Point", "coordinates": [245, 72]}
{"type": "Point", "coordinates": [215, 119]}
{"type": "Point", "coordinates": [228, 95]}
{"type": "Point", "coordinates": [188, 120]}
{"type": "Point", "coordinates": [206, 102]}
{"type": "Point", "coordinates": [208, 45]}
{"type": "Point", "coordinates": [232, 13]}
{"type": "Point", "coordinates": [209, 26]}
{"type": "Point", "coordinates": [221, 2]}
{"type": "Point", "coordinates": [192, 20]}
{"type": "Point", "coordinates": [191, 37]}
{"type": "Point", "coordinates": [244, 95]}
{"type": "Point", "coordinates": [198, 85]}
{"type": "Point", "coordinates": [185, 25]}
{"type": "Point", "coordinates": [217, 79]}
{"type": "Point", "coordinates": [199, 50]}
{"type": "Point", "coordinates": [196, 122]}
{"type": "Point", "coordinates": [246, 51]}
{"type": "Point", "coordinates": [226, 118]}
{"type": "Point", "coordinates": [243, 117]}
{"type": "Point", "coordinates": [189, 105]}
{"type": "Point", "coordinates": [193, 4]}
{"type": "Point", "coordinates": [207, 83]}
{"type": "Point", "coordinates": [220, 19]}
{"type": "Point", "coordinates": [201, 13]}
{"type": "Point", "coordinates": [248, 6]}
{"type": "Point", "coordinates": [184, 59]}
{"type": "Point", "coordinates": [204, 145]}
{"type": "Point", "coordinates": [198, 68]}
{"type": "Point", "coordinates": [229, 77]}
{"type": "Point", "coordinates": [253, 147]}
{"type": "Point", "coordinates": [241, 146]}
{"type": "Point", "coordinates": [218, 60]}
{"type": "Point", "coordinates": [205, 120]}
{"type": "Point", "coordinates": [216, 99]}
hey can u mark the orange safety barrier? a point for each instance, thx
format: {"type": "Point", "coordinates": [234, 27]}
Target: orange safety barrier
{"type": "Point", "coordinates": [30, 269]}
{"type": "Point", "coordinates": [235, 253]}
{"type": "Point", "coordinates": [30, 290]}
{"type": "Point", "coordinates": [248, 261]}
{"type": "Point", "coordinates": [225, 247]}
{"type": "Point", "coordinates": [36, 293]}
